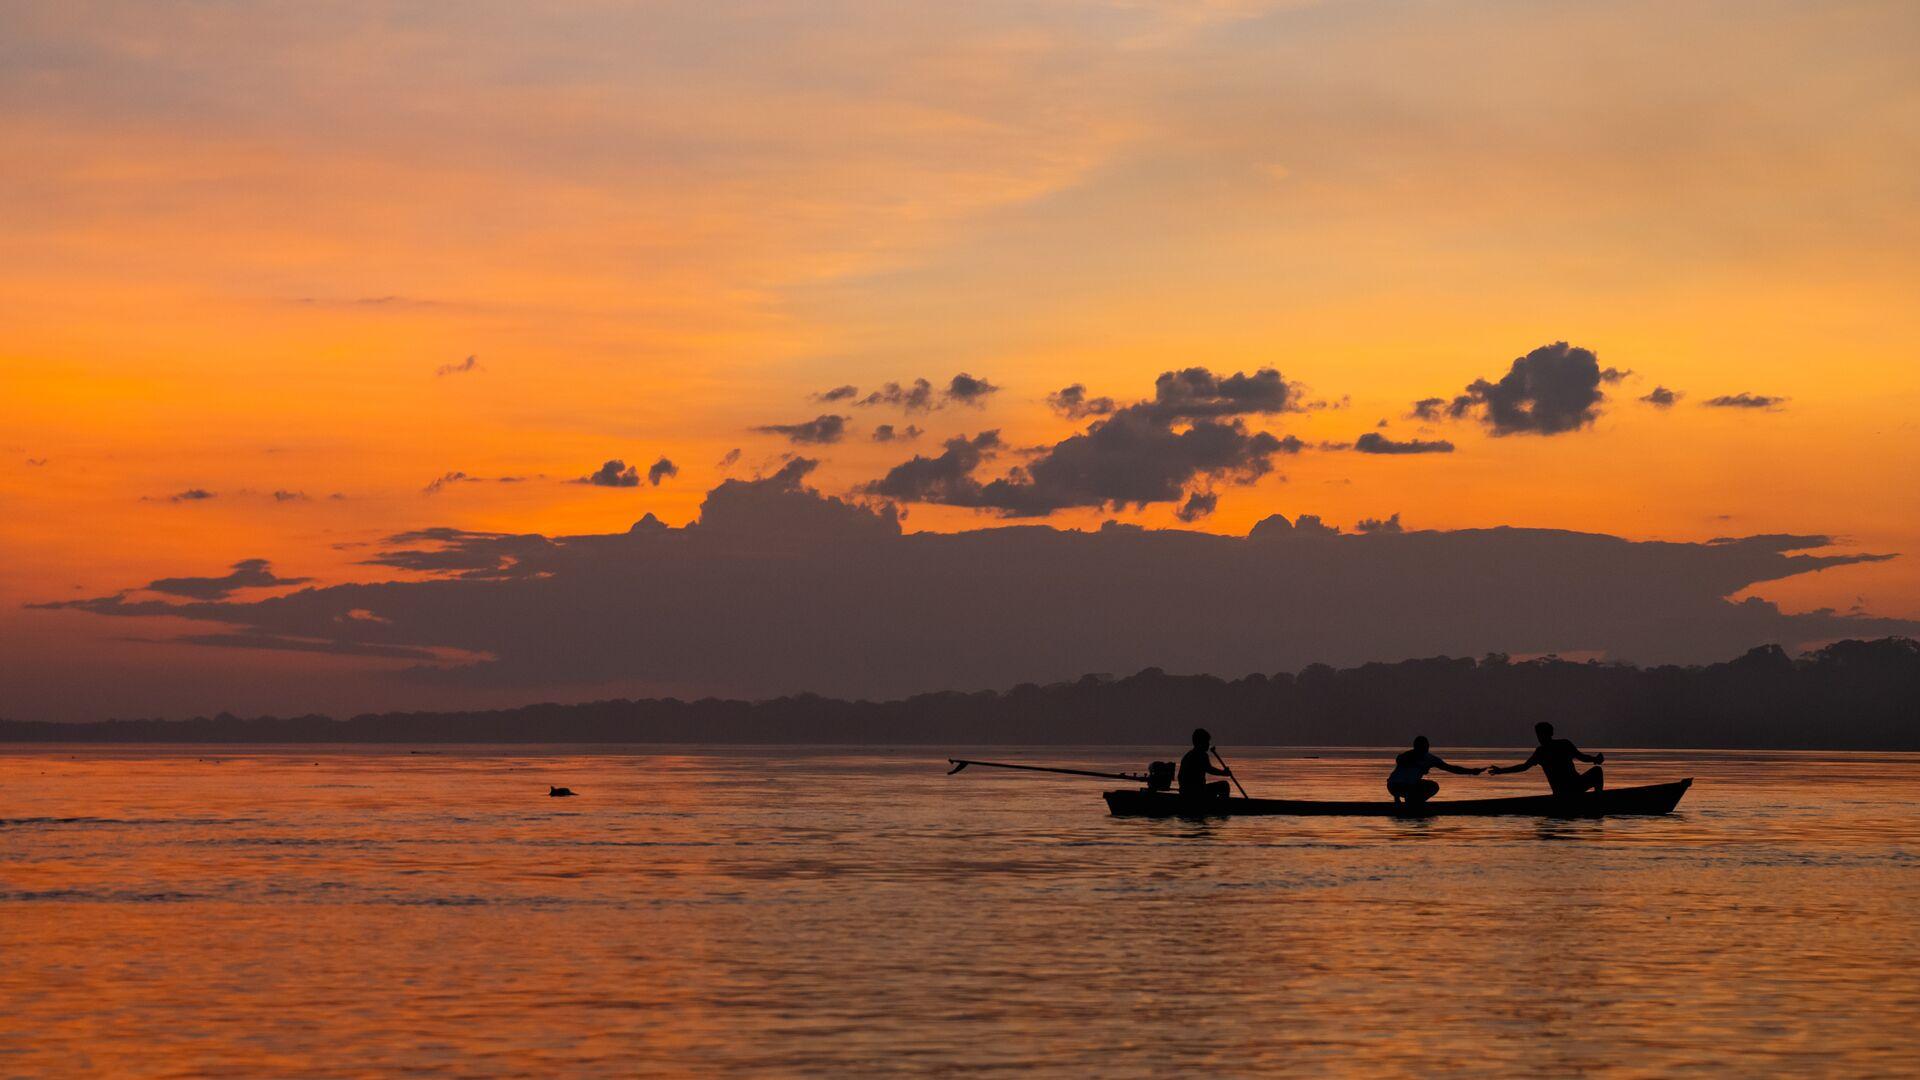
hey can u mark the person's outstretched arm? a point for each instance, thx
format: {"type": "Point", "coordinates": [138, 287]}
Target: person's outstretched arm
{"type": "Point", "coordinates": [1532, 760]}
{"type": "Point", "coordinates": [1436, 761]}
{"type": "Point", "coordinates": [1594, 758]}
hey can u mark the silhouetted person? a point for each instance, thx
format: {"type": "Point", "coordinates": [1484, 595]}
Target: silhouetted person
{"type": "Point", "coordinates": [1409, 777]}
{"type": "Point", "coordinates": [1555, 758]}
{"type": "Point", "coordinates": [1197, 765]}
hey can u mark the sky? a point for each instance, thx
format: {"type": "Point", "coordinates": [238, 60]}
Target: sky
{"type": "Point", "coordinates": [288, 286]}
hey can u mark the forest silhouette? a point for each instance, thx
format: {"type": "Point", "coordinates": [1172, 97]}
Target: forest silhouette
{"type": "Point", "coordinates": [1853, 695]}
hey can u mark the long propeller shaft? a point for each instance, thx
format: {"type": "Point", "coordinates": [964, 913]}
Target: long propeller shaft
{"type": "Point", "coordinates": [961, 763]}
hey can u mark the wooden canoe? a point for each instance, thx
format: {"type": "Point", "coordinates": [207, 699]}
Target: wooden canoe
{"type": "Point", "coordinates": [1651, 799]}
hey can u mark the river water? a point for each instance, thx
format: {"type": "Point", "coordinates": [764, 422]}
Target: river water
{"type": "Point", "coordinates": [328, 911]}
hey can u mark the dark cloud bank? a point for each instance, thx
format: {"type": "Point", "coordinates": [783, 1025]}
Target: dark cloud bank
{"type": "Point", "coordinates": [778, 589]}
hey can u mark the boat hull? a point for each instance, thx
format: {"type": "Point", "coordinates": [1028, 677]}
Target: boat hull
{"type": "Point", "coordinates": [1652, 799]}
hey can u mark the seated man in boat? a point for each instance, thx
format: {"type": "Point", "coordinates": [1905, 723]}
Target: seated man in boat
{"type": "Point", "coordinates": [1408, 780]}
{"type": "Point", "coordinates": [1197, 765]}
{"type": "Point", "coordinates": [1555, 758]}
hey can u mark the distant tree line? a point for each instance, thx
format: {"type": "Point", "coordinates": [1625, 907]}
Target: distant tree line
{"type": "Point", "coordinates": [1849, 695]}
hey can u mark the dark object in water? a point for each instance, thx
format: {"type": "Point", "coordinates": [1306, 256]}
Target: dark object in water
{"type": "Point", "coordinates": [560, 792]}
{"type": "Point", "coordinates": [1652, 799]}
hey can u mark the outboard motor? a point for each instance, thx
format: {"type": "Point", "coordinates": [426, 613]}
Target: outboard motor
{"type": "Point", "coordinates": [1160, 776]}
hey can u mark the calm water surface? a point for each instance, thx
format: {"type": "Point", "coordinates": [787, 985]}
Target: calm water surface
{"type": "Point", "coordinates": [329, 911]}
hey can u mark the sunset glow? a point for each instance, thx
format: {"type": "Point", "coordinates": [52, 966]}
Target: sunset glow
{"type": "Point", "coordinates": [304, 261]}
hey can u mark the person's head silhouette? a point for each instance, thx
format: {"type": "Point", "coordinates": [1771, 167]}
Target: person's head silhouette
{"type": "Point", "coordinates": [1544, 730]}
{"type": "Point", "coordinates": [1420, 743]}
{"type": "Point", "coordinates": [1202, 740]}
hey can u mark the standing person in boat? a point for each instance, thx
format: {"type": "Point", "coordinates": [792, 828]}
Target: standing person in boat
{"type": "Point", "coordinates": [1409, 781]}
{"type": "Point", "coordinates": [1197, 765]}
{"type": "Point", "coordinates": [1555, 758]}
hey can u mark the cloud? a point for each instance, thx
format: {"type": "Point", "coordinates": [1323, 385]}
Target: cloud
{"type": "Point", "coordinates": [947, 478]}
{"type": "Point", "coordinates": [1196, 393]}
{"type": "Point", "coordinates": [438, 483]}
{"type": "Point", "coordinates": [829, 595]}
{"type": "Point", "coordinates": [283, 495]}
{"type": "Point", "coordinates": [1145, 453]}
{"type": "Point", "coordinates": [661, 470]}
{"type": "Point", "coordinates": [1380, 525]}
{"type": "Point", "coordinates": [819, 430]}
{"type": "Point", "coordinates": [1073, 403]}
{"type": "Point", "coordinates": [463, 553]}
{"type": "Point", "coordinates": [887, 433]}
{"type": "Point", "coordinates": [1198, 505]}
{"type": "Point", "coordinates": [729, 459]}
{"type": "Point", "coordinates": [1661, 397]}
{"type": "Point", "coordinates": [919, 395]}
{"type": "Point", "coordinates": [246, 574]}
{"type": "Point", "coordinates": [915, 398]}
{"type": "Point", "coordinates": [968, 390]}
{"type": "Point", "coordinates": [36, 462]}
{"type": "Point", "coordinates": [838, 393]}
{"type": "Point", "coordinates": [192, 495]}
{"type": "Point", "coordinates": [292, 644]}
{"type": "Point", "coordinates": [1373, 442]}
{"type": "Point", "coordinates": [1552, 390]}
{"type": "Point", "coordinates": [614, 474]}
{"type": "Point", "coordinates": [471, 363]}
{"type": "Point", "coordinates": [446, 480]}
{"type": "Point", "coordinates": [1428, 409]}
{"type": "Point", "coordinates": [1744, 400]}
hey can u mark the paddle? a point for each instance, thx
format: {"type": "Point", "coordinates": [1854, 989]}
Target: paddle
{"type": "Point", "coordinates": [1230, 776]}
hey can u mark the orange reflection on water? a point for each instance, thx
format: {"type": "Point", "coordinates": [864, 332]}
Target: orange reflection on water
{"type": "Point", "coordinates": [339, 912]}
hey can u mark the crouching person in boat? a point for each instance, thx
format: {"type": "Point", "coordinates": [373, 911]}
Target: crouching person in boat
{"type": "Point", "coordinates": [1555, 758]}
{"type": "Point", "coordinates": [1408, 782]}
{"type": "Point", "coordinates": [1197, 765]}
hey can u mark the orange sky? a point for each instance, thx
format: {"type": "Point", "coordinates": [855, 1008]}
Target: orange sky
{"type": "Point", "coordinates": [241, 241]}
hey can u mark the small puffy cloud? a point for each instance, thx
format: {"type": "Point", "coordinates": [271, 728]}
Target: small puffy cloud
{"type": "Point", "coordinates": [818, 431]}
{"type": "Point", "coordinates": [946, 478]}
{"type": "Point", "coordinates": [1073, 403]}
{"type": "Point", "coordinates": [729, 459]}
{"type": "Point", "coordinates": [1661, 397]}
{"type": "Point", "coordinates": [888, 433]}
{"type": "Point", "coordinates": [191, 495]}
{"type": "Point", "coordinates": [1744, 400]}
{"type": "Point", "coordinates": [1198, 505]}
{"type": "Point", "coordinates": [1550, 391]}
{"type": "Point", "coordinates": [471, 363]}
{"type": "Point", "coordinates": [283, 495]}
{"type": "Point", "coordinates": [1196, 393]}
{"type": "Point", "coordinates": [661, 470]}
{"type": "Point", "coordinates": [920, 395]}
{"type": "Point", "coordinates": [915, 398]}
{"type": "Point", "coordinates": [1375, 443]}
{"type": "Point", "coordinates": [967, 390]}
{"type": "Point", "coordinates": [838, 393]}
{"type": "Point", "coordinates": [615, 474]}
{"type": "Point", "coordinates": [1148, 452]}
{"type": "Point", "coordinates": [446, 480]}
{"type": "Point", "coordinates": [36, 462]}
{"type": "Point", "coordinates": [1428, 409]}
{"type": "Point", "coordinates": [1380, 525]}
